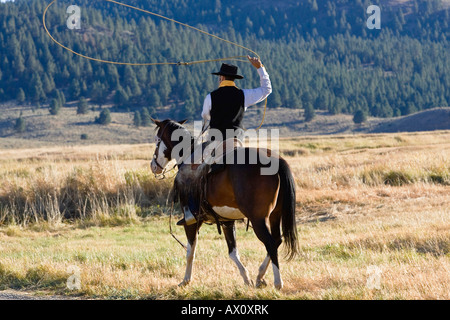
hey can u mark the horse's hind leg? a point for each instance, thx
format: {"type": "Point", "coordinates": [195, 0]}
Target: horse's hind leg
{"type": "Point", "coordinates": [275, 219]}
{"type": "Point", "coordinates": [263, 234]}
{"type": "Point", "coordinates": [230, 236]}
{"type": "Point", "coordinates": [260, 282]}
{"type": "Point", "coordinates": [192, 236]}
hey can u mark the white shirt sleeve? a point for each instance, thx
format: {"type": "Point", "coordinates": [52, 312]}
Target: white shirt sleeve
{"type": "Point", "coordinates": [254, 96]}
{"type": "Point", "coordinates": [206, 113]}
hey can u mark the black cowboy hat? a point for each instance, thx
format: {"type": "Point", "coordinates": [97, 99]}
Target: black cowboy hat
{"type": "Point", "coordinates": [228, 70]}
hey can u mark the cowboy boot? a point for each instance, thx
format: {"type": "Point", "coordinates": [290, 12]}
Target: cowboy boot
{"type": "Point", "coordinates": [188, 219]}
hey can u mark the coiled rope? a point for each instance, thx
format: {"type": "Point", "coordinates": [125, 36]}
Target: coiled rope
{"type": "Point", "coordinates": [239, 58]}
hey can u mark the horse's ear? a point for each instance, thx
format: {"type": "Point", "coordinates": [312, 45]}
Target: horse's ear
{"type": "Point", "coordinates": [157, 122]}
{"type": "Point", "coordinates": [183, 121]}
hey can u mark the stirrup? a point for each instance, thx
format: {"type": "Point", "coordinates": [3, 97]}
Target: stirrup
{"type": "Point", "coordinates": [188, 216]}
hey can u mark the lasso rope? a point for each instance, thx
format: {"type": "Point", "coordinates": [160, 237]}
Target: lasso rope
{"type": "Point", "coordinates": [157, 63]}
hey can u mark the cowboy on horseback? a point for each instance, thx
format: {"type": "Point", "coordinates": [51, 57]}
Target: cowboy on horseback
{"type": "Point", "coordinates": [225, 108]}
{"type": "Point", "coordinates": [239, 191]}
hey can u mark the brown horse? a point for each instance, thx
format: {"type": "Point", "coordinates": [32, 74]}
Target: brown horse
{"type": "Point", "coordinates": [240, 191]}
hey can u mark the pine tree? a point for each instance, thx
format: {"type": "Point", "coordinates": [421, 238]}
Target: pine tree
{"type": "Point", "coordinates": [154, 99]}
{"type": "Point", "coordinates": [164, 90]}
{"type": "Point", "coordinates": [48, 84]}
{"type": "Point", "coordinates": [145, 116]}
{"type": "Point", "coordinates": [75, 89]}
{"type": "Point", "coordinates": [20, 96]}
{"type": "Point", "coordinates": [189, 109]}
{"type": "Point", "coordinates": [121, 98]}
{"type": "Point", "coordinates": [82, 106]}
{"type": "Point", "coordinates": [61, 97]}
{"type": "Point", "coordinates": [104, 118]}
{"type": "Point", "coordinates": [359, 117]}
{"type": "Point", "coordinates": [65, 75]}
{"type": "Point", "coordinates": [20, 125]}
{"type": "Point", "coordinates": [36, 90]}
{"type": "Point", "coordinates": [19, 65]}
{"type": "Point", "coordinates": [137, 119]}
{"type": "Point", "coordinates": [307, 98]}
{"type": "Point", "coordinates": [83, 87]}
{"type": "Point", "coordinates": [309, 112]}
{"type": "Point", "coordinates": [113, 77]}
{"type": "Point", "coordinates": [321, 101]}
{"type": "Point", "coordinates": [275, 100]}
{"type": "Point", "coordinates": [98, 93]}
{"type": "Point", "coordinates": [54, 107]}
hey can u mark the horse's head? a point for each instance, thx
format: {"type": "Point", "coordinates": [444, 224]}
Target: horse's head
{"type": "Point", "coordinates": [164, 144]}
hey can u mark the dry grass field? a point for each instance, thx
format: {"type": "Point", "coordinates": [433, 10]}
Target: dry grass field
{"type": "Point", "coordinates": [373, 214]}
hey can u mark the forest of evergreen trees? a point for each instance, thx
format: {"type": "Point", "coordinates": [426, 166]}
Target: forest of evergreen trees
{"type": "Point", "coordinates": [319, 54]}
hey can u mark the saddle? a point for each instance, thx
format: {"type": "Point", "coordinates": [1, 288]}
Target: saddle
{"type": "Point", "coordinates": [191, 181]}
{"type": "Point", "coordinates": [217, 151]}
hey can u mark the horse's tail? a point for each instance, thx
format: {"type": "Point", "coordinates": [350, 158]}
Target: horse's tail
{"type": "Point", "coordinates": [288, 224]}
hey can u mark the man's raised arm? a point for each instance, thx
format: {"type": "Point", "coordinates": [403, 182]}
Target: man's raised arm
{"type": "Point", "coordinates": [254, 96]}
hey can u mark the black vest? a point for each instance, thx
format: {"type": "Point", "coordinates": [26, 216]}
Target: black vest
{"type": "Point", "coordinates": [227, 109]}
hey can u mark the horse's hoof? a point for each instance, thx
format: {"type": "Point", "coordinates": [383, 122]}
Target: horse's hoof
{"type": "Point", "coordinates": [249, 284]}
{"type": "Point", "coordinates": [261, 284]}
{"type": "Point", "coordinates": [183, 283]}
{"type": "Point", "coordinates": [279, 286]}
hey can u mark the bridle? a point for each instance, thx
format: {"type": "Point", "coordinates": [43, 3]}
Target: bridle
{"type": "Point", "coordinates": [162, 175]}
{"type": "Point", "coordinates": [158, 139]}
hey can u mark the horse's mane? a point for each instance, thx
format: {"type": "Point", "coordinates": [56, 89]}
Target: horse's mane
{"type": "Point", "coordinates": [172, 125]}
{"type": "Point", "coordinates": [175, 125]}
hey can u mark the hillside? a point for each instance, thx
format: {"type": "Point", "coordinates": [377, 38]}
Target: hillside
{"type": "Point", "coordinates": [428, 120]}
{"type": "Point", "coordinates": [319, 53]}
{"type": "Point", "coordinates": [66, 128]}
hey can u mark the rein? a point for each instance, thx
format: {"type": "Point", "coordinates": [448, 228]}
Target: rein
{"type": "Point", "coordinates": [170, 227]}
{"type": "Point", "coordinates": [162, 176]}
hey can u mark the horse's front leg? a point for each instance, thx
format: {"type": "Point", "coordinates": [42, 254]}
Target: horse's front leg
{"type": "Point", "coordinates": [192, 237]}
